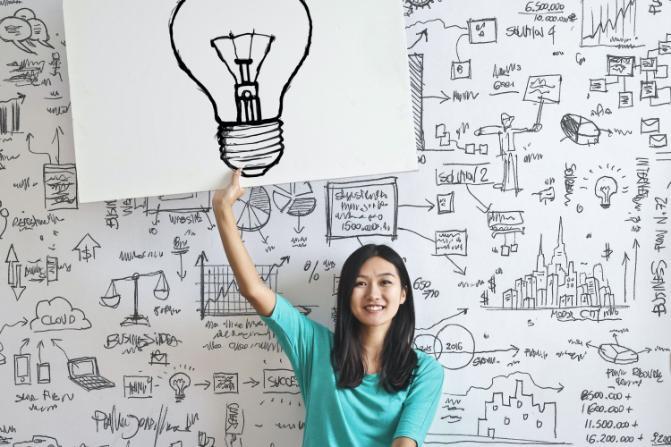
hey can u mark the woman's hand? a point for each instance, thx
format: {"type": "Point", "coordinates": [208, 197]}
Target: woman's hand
{"type": "Point", "coordinates": [225, 198]}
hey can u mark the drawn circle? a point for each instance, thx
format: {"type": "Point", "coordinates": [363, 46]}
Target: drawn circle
{"type": "Point", "coordinates": [458, 346]}
{"type": "Point", "coordinates": [253, 209]}
{"type": "Point", "coordinates": [430, 344]}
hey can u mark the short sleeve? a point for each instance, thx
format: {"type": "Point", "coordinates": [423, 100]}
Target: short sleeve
{"type": "Point", "coordinates": [421, 402]}
{"type": "Point", "coordinates": [295, 333]}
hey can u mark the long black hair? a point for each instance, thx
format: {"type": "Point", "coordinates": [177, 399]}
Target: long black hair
{"type": "Point", "coordinates": [398, 357]}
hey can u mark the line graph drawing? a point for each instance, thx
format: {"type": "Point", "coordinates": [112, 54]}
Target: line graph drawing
{"type": "Point", "coordinates": [219, 292]}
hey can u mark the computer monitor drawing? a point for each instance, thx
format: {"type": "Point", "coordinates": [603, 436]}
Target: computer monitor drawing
{"type": "Point", "coordinates": [85, 373]}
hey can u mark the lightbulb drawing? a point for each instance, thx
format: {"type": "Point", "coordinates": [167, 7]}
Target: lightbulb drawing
{"type": "Point", "coordinates": [179, 382]}
{"type": "Point", "coordinates": [243, 54]}
{"type": "Point", "coordinates": [604, 188]}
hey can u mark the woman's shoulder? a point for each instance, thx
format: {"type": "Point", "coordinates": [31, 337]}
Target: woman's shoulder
{"type": "Point", "coordinates": [428, 366]}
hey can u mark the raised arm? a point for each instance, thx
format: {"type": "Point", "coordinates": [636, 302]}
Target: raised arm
{"type": "Point", "coordinates": [260, 296]}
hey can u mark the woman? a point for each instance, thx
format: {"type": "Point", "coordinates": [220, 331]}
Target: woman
{"type": "Point", "coordinates": [364, 385]}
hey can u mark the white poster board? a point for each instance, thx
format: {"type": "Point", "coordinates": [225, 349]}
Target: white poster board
{"type": "Point", "coordinates": [287, 91]}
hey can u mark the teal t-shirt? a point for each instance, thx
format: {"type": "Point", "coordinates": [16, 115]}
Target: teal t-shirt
{"type": "Point", "coordinates": [366, 416]}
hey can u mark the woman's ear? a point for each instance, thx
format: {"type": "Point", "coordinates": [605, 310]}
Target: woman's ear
{"type": "Point", "coordinates": [404, 293]}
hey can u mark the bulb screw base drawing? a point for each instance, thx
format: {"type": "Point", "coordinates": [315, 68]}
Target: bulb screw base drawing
{"type": "Point", "coordinates": [253, 147]}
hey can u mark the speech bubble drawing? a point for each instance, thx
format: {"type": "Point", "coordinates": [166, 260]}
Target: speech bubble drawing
{"type": "Point", "coordinates": [39, 32]}
{"type": "Point", "coordinates": [23, 29]}
{"type": "Point", "coordinates": [16, 30]}
{"type": "Point", "coordinates": [25, 13]}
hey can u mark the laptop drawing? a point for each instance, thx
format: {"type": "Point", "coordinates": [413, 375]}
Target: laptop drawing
{"type": "Point", "coordinates": [84, 372]}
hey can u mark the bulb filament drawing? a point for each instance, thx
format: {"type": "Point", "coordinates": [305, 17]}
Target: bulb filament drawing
{"type": "Point", "coordinates": [244, 62]}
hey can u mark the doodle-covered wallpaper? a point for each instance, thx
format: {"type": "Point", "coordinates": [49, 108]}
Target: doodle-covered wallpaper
{"type": "Point", "coordinates": [535, 230]}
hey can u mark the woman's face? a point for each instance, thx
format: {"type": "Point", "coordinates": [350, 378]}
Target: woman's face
{"type": "Point", "coordinates": [377, 293]}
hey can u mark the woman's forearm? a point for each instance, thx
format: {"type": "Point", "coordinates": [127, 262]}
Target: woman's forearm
{"type": "Point", "coordinates": [260, 296]}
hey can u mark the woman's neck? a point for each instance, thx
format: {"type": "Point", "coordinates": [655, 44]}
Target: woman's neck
{"type": "Point", "coordinates": [372, 342]}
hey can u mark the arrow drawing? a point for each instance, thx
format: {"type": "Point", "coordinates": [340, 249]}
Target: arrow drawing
{"type": "Point", "coordinates": [14, 273]}
{"type": "Point", "coordinates": [423, 34]}
{"type": "Point", "coordinates": [428, 207]}
{"type": "Point", "coordinates": [22, 322]}
{"type": "Point", "coordinates": [86, 248]}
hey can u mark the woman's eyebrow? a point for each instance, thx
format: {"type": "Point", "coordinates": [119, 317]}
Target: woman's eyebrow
{"type": "Point", "coordinates": [381, 274]}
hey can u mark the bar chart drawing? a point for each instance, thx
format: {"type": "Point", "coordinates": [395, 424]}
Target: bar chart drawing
{"type": "Point", "coordinates": [609, 23]}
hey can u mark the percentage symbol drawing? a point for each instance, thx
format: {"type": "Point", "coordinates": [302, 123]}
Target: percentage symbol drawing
{"type": "Point", "coordinates": [314, 275]}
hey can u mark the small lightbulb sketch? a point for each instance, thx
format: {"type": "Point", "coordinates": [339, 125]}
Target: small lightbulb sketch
{"type": "Point", "coordinates": [179, 382]}
{"type": "Point", "coordinates": [604, 188]}
{"type": "Point", "coordinates": [244, 61]}
{"type": "Point", "coordinates": [609, 181]}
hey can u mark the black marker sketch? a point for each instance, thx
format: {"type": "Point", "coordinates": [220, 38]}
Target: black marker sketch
{"type": "Point", "coordinates": [505, 417]}
{"type": "Point", "coordinates": [43, 373]}
{"type": "Point", "coordinates": [607, 185]}
{"type": "Point", "coordinates": [580, 130]}
{"type": "Point", "coordinates": [610, 23]}
{"type": "Point", "coordinates": [86, 248]}
{"type": "Point", "coordinates": [616, 353]}
{"type": "Point", "coordinates": [112, 297]}
{"type": "Point", "coordinates": [234, 425]}
{"type": "Point", "coordinates": [452, 345]}
{"type": "Point", "coordinates": [43, 368]}
{"type": "Point", "coordinates": [60, 186]}
{"type": "Point", "coordinates": [657, 141]}
{"type": "Point", "coordinates": [253, 209]}
{"type": "Point", "coordinates": [361, 208]}
{"type": "Point", "coordinates": [38, 441]}
{"type": "Point", "coordinates": [447, 243]}
{"type": "Point", "coordinates": [184, 208]}
{"type": "Point", "coordinates": [56, 65]}
{"type": "Point", "coordinates": [445, 203]}
{"type": "Point", "coordinates": [245, 75]}
{"type": "Point", "coordinates": [545, 195]}
{"type": "Point", "coordinates": [22, 375]}
{"type": "Point", "coordinates": [225, 383]}
{"type": "Point", "coordinates": [507, 149]}
{"type": "Point", "coordinates": [482, 31]}
{"type": "Point", "coordinates": [10, 114]}
{"type": "Point", "coordinates": [219, 293]}
{"type": "Point", "coordinates": [84, 372]}
{"type": "Point", "coordinates": [604, 188]}
{"type": "Point", "coordinates": [280, 381]}
{"type": "Point", "coordinates": [3, 359]}
{"type": "Point", "coordinates": [422, 34]}
{"type": "Point", "coordinates": [556, 285]}
{"type": "Point", "coordinates": [57, 314]}
{"type": "Point", "coordinates": [179, 382]}
{"type": "Point", "coordinates": [157, 357]}
{"type": "Point", "coordinates": [180, 248]}
{"type": "Point", "coordinates": [14, 273]}
{"type": "Point", "coordinates": [512, 409]}
{"type": "Point", "coordinates": [138, 387]}
{"type": "Point", "coordinates": [204, 440]}
{"type": "Point", "coordinates": [297, 200]}
{"type": "Point", "coordinates": [649, 125]}
{"type": "Point", "coordinates": [27, 73]}
{"type": "Point", "coordinates": [4, 215]}
{"type": "Point", "coordinates": [413, 5]}
{"type": "Point", "coordinates": [417, 91]}
{"type": "Point", "coordinates": [24, 30]}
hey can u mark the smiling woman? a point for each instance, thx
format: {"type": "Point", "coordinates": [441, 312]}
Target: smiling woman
{"type": "Point", "coordinates": [365, 384]}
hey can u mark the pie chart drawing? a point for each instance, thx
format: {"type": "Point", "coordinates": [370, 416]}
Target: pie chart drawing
{"type": "Point", "coordinates": [253, 209]}
{"type": "Point", "coordinates": [297, 200]}
{"type": "Point", "coordinates": [579, 129]}
{"type": "Point", "coordinates": [618, 354]}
